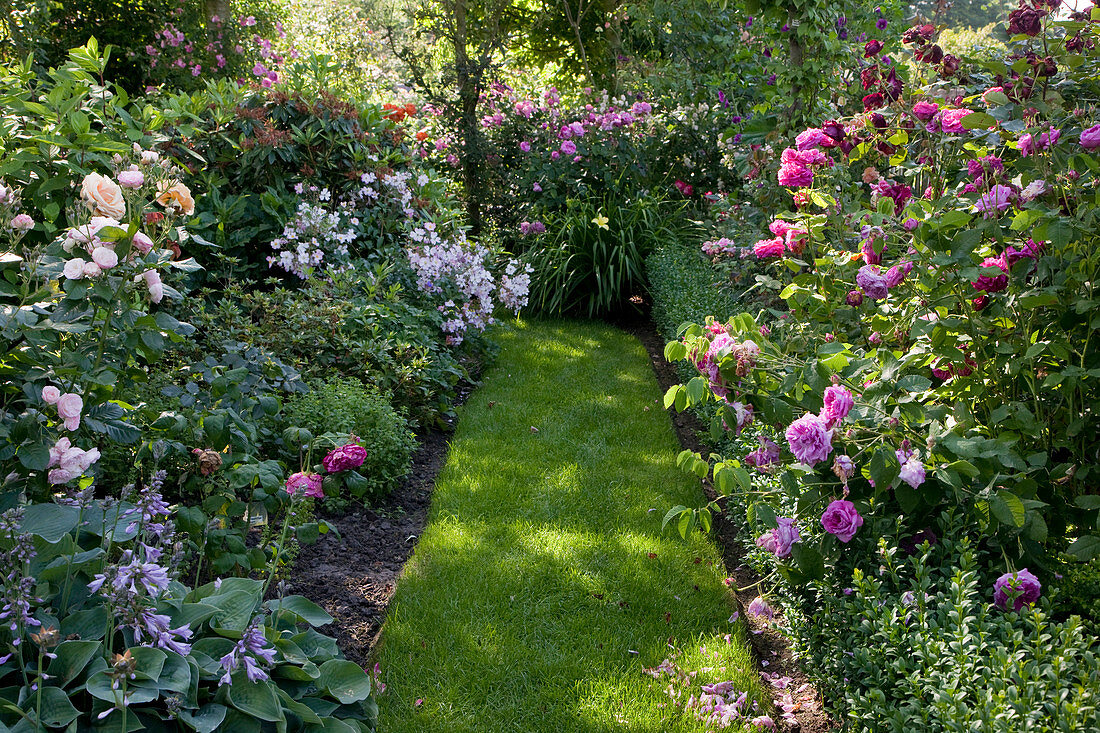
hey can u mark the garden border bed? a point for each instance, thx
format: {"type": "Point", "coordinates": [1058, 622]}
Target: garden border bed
{"type": "Point", "coordinates": [772, 649]}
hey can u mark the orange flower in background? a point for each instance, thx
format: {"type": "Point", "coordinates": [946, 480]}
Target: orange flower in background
{"type": "Point", "coordinates": [175, 196]}
{"type": "Point", "coordinates": [422, 135]}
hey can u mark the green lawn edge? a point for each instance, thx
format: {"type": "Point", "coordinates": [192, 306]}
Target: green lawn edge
{"type": "Point", "coordinates": [542, 587]}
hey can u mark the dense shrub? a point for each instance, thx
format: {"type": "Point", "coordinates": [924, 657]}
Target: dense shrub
{"type": "Point", "coordinates": [922, 649]}
{"type": "Point", "coordinates": [344, 405]}
{"type": "Point", "coordinates": [371, 332]}
{"type": "Point", "coordinates": [682, 284]}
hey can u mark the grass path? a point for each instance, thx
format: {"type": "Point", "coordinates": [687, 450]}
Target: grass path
{"type": "Point", "coordinates": [542, 586]}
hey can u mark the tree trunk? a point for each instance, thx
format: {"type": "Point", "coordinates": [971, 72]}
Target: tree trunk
{"type": "Point", "coordinates": [219, 8]}
{"type": "Point", "coordinates": [468, 94]}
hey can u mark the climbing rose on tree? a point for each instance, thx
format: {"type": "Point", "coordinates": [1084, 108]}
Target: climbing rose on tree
{"type": "Point", "coordinates": [841, 519]}
{"type": "Point", "coordinates": [1017, 588]}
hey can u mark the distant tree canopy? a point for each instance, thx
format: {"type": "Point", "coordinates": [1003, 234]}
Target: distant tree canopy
{"type": "Point", "coordinates": [964, 13]}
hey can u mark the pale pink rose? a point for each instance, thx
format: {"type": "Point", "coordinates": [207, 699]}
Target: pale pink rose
{"type": "Point", "coordinates": [152, 281]}
{"type": "Point", "coordinates": [69, 407]}
{"type": "Point", "coordinates": [74, 269]}
{"type": "Point", "coordinates": [105, 257]}
{"type": "Point", "coordinates": [22, 222]}
{"type": "Point", "coordinates": [61, 476]}
{"type": "Point", "coordinates": [59, 449]}
{"type": "Point", "coordinates": [51, 394]}
{"type": "Point", "coordinates": [142, 243]}
{"type": "Point", "coordinates": [103, 196]}
{"type": "Point", "coordinates": [148, 157]}
{"type": "Point", "coordinates": [132, 178]}
{"type": "Point", "coordinates": [91, 269]}
{"type": "Point", "coordinates": [87, 232]}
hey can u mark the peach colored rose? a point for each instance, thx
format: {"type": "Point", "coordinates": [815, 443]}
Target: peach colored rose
{"type": "Point", "coordinates": [175, 196]}
{"type": "Point", "coordinates": [103, 196]}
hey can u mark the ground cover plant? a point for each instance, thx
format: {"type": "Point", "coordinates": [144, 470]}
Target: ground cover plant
{"type": "Point", "coordinates": [549, 614]}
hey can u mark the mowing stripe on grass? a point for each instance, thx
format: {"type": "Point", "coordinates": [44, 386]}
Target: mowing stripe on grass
{"type": "Point", "coordinates": [542, 587]}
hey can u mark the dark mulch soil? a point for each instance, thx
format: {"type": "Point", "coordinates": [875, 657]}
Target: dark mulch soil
{"type": "Point", "coordinates": [353, 578]}
{"type": "Point", "coordinates": [771, 647]}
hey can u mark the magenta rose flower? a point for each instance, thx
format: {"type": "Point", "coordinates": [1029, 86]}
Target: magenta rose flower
{"type": "Point", "coordinates": [793, 169]}
{"type": "Point", "coordinates": [995, 283]}
{"type": "Point", "coordinates": [995, 200]}
{"type": "Point", "coordinates": [951, 120]}
{"type": "Point", "coordinates": [344, 458]}
{"type": "Point", "coordinates": [765, 455]}
{"type": "Point", "coordinates": [814, 137]}
{"type": "Point", "coordinates": [842, 520]}
{"type": "Point", "coordinates": [838, 403]}
{"type": "Point", "coordinates": [769, 248]}
{"type": "Point", "coordinates": [1016, 588]}
{"type": "Point", "coordinates": [810, 439]}
{"type": "Point", "coordinates": [1090, 138]}
{"type": "Point", "coordinates": [306, 483]}
{"type": "Point", "coordinates": [925, 111]}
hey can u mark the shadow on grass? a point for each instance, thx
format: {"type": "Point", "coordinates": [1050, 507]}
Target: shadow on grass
{"type": "Point", "coordinates": [543, 587]}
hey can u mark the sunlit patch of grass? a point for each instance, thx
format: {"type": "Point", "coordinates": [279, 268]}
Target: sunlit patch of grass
{"type": "Point", "coordinates": [543, 588]}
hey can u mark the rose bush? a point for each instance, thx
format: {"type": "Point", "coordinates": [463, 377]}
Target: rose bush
{"type": "Point", "coordinates": [954, 308]}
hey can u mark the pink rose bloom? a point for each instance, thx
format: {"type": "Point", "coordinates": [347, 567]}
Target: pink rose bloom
{"type": "Point", "coordinates": [51, 394]}
{"type": "Point", "coordinates": [153, 282]}
{"type": "Point", "coordinates": [793, 170]}
{"type": "Point", "coordinates": [91, 269]}
{"type": "Point", "coordinates": [74, 269]}
{"type": "Point", "coordinates": [813, 138]}
{"type": "Point", "coordinates": [995, 283]}
{"type": "Point", "coordinates": [765, 455]}
{"type": "Point", "coordinates": [838, 403]}
{"type": "Point", "coordinates": [105, 257]}
{"type": "Point", "coordinates": [760, 609]}
{"type": "Point", "coordinates": [345, 457]}
{"type": "Point", "coordinates": [142, 243]}
{"type": "Point", "coordinates": [525, 146]}
{"type": "Point", "coordinates": [307, 483]}
{"type": "Point", "coordinates": [951, 120]}
{"type": "Point", "coordinates": [810, 439]}
{"type": "Point", "coordinates": [1019, 589]}
{"type": "Point", "coordinates": [768, 248]}
{"type": "Point", "coordinates": [925, 111]}
{"type": "Point", "coordinates": [131, 179]}
{"type": "Point", "coordinates": [69, 407]}
{"type": "Point", "coordinates": [779, 540]}
{"type": "Point", "coordinates": [568, 147]}
{"type": "Point", "coordinates": [1026, 145]}
{"type": "Point", "coordinates": [22, 222]}
{"type": "Point", "coordinates": [1090, 138]}
{"type": "Point", "coordinates": [842, 520]}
